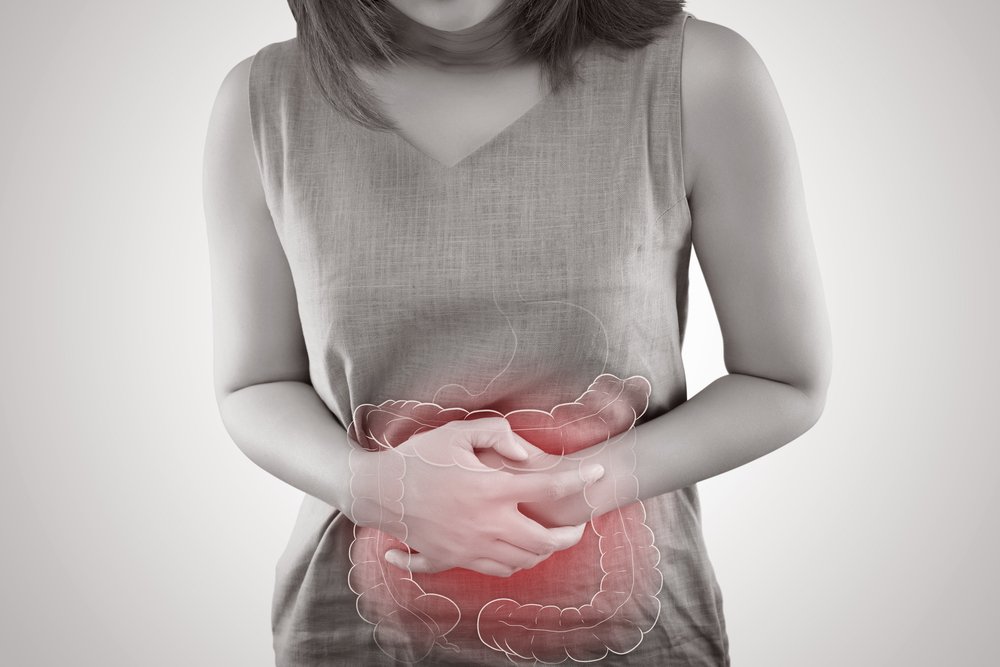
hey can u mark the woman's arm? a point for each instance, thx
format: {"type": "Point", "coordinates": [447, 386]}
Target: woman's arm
{"type": "Point", "coordinates": [261, 367]}
{"type": "Point", "coordinates": [751, 233]}
{"type": "Point", "coordinates": [275, 417]}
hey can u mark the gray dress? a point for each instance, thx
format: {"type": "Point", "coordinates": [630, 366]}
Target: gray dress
{"type": "Point", "coordinates": [552, 258]}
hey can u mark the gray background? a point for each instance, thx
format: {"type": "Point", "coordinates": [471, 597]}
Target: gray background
{"type": "Point", "coordinates": [135, 532]}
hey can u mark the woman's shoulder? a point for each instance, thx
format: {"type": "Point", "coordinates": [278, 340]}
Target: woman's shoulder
{"type": "Point", "coordinates": [726, 91]}
{"type": "Point", "coordinates": [700, 48]}
{"type": "Point", "coordinates": [274, 58]}
{"type": "Point", "coordinates": [712, 47]}
{"type": "Point", "coordinates": [250, 87]}
{"type": "Point", "coordinates": [718, 65]}
{"type": "Point", "coordinates": [266, 61]}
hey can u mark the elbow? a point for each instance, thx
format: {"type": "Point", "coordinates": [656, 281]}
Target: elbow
{"type": "Point", "coordinates": [224, 407]}
{"type": "Point", "coordinates": [228, 399]}
{"type": "Point", "coordinates": [814, 396]}
{"type": "Point", "coordinates": [814, 409]}
{"type": "Point", "coordinates": [224, 392]}
{"type": "Point", "coordinates": [804, 398]}
{"type": "Point", "coordinates": [226, 389]}
{"type": "Point", "coordinates": [813, 383]}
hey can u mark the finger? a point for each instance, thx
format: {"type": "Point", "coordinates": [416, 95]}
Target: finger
{"type": "Point", "coordinates": [544, 486]}
{"type": "Point", "coordinates": [414, 562]}
{"type": "Point", "coordinates": [536, 538]}
{"type": "Point", "coordinates": [538, 460]}
{"type": "Point", "coordinates": [490, 567]}
{"type": "Point", "coordinates": [527, 444]}
{"type": "Point", "coordinates": [496, 433]}
{"type": "Point", "coordinates": [508, 554]}
{"type": "Point", "coordinates": [418, 563]}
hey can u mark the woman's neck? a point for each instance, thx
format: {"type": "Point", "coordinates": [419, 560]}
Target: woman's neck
{"type": "Point", "coordinates": [487, 45]}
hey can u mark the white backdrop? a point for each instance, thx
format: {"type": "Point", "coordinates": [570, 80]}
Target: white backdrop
{"type": "Point", "coordinates": [136, 533]}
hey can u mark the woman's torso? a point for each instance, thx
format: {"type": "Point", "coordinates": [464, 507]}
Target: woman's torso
{"type": "Point", "coordinates": [508, 276]}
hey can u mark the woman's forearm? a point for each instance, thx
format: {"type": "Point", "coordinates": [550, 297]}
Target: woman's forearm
{"type": "Point", "coordinates": [734, 420]}
{"type": "Point", "coordinates": [286, 429]}
{"type": "Point", "coordinates": [452, 509]}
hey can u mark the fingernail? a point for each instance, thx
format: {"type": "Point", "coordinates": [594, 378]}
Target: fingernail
{"type": "Point", "coordinates": [521, 451]}
{"type": "Point", "coordinates": [592, 473]}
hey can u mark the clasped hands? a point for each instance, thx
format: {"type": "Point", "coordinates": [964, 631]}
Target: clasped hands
{"type": "Point", "coordinates": [458, 504]}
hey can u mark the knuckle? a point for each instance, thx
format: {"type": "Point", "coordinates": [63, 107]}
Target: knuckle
{"type": "Point", "coordinates": [548, 546]}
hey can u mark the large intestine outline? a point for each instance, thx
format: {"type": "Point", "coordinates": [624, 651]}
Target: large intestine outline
{"type": "Point", "coordinates": [409, 621]}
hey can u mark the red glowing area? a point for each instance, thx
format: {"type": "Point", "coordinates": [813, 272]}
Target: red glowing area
{"type": "Point", "coordinates": [581, 603]}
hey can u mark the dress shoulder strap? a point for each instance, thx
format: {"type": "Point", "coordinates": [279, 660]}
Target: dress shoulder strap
{"type": "Point", "coordinates": [275, 100]}
{"type": "Point", "coordinates": [664, 122]}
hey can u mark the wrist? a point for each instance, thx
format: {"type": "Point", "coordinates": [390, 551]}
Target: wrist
{"type": "Point", "coordinates": [571, 510]}
{"type": "Point", "coordinates": [619, 486]}
{"type": "Point", "coordinates": [370, 485]}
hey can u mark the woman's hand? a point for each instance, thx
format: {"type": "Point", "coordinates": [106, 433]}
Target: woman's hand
{"type": "Point", "coordinates": [571, 509]}
{"type": "Point", "coordinates": [434, 494]}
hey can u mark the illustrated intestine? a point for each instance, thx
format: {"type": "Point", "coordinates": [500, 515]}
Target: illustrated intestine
{"type": "Point", "coordinates": [599, 596]}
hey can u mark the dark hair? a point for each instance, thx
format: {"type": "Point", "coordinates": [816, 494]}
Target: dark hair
{"type": "Point", "coordinates": [333, 33]}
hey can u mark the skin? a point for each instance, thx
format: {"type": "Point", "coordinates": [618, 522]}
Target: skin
{"type": "Point", "coordinates": [750, 231]}
{"type": "Point", "coordinates": [447, 14]}
{"type": "Point", "coordinates": [448, 115]}
{"type": "Point", "coordinates": [449, 111]}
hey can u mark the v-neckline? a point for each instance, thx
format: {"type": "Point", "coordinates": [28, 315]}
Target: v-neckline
{"type": "Point", "coordinates": [408, 146]}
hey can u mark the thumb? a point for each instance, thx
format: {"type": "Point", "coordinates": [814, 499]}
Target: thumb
{"type": "Point", "coordinates": [495, 433]}
{"type": "Point", "coordinates": [542, 486]}
{"type": "Point", "coordinates": [414, 562]}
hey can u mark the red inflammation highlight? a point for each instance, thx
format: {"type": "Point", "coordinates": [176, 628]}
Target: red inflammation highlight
{"type": "Point", "coordinates": [596, 597]}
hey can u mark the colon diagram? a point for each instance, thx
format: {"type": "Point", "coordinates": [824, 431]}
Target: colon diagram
{"type": "Point", "coordinates": [596, 597]}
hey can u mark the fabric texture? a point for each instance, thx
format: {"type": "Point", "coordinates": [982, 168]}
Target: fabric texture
{"type": "Point", "coordinates": [556, 252]}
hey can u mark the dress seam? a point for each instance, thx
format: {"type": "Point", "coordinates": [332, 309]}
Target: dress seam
{"type": "Point", "coordinates": [669, 208]}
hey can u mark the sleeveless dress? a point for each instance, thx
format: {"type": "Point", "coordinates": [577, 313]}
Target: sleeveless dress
{"type": "Point", "coordinates": [549, 264]}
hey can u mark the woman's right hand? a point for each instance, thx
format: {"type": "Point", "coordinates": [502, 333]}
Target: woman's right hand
{"type": "Point", "coordinates": [433, 493]}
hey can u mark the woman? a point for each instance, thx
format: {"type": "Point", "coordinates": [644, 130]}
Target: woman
{"type": "Point", "coordinates": [449, 246]}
